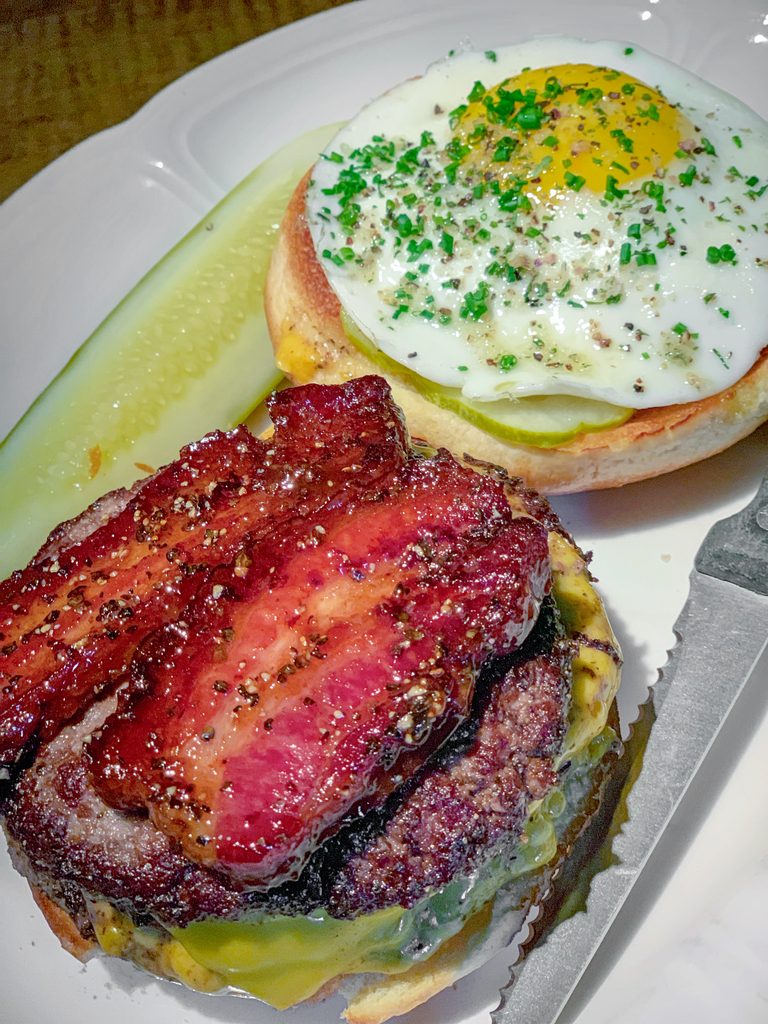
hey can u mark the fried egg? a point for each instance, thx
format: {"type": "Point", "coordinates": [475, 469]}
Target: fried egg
{"type": "Point", "coordinates": [557, 217]}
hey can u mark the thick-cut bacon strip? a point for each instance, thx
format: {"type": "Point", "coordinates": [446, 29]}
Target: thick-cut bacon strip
{"type": "Point", "coordinates": [273, 707]}
{"type": "Point", "coordinates": [71, 620]}
{"type": "Point", "coordinates": [359, 412]}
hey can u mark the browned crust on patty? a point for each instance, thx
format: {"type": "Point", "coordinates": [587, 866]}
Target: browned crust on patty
{"type": "Point", "coordinates": [304, 320]}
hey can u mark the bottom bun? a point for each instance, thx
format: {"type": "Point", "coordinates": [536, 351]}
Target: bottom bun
{"type": "Point", "coordinates": [372, 998]}
{"type": "Point", "coordinates": [310, 344]}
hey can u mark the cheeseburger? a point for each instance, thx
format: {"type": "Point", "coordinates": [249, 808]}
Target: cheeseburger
{"type": "Point", "coordinates": [326, 711]}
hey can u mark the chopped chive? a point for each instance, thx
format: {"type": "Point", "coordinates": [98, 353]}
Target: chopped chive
{"type": "Point", "coordinates": [645, 259]}
{"type": "Point", "coordinates": [511, 200]}
{"type": "Point", "coordinates": [416, 249]}
{"type": "Point", "coordinates": [474, 305]}
{"type": "Point", "coordinates": [404, 225]}
{"type": "Point", "coordinates": [725, 254]}
{"type": "Point", "coordinates": [507, 362]}
{"type": "Point", "coordinates": [476, 93]}
{"type": "Point", "coordinates": [628, 50]}
{"type": "Point", "coordinates": [551, 140]}
{"type": "Point", "coordinates": [529, 118]}
{"type": "Point", "coordinates": [655, 190]}
{"type": "Point", "coordinates": [333, 257]}
{"type": "Point", "coordinates": [623, 139]}
{"type": "Point", "coordinates": [686, 177]}
{"type": "Point", "coordinates": [456, 114]}
{"type": "Point", "coordinates": [504, 149]}
{"type": "Point", "coordinates": [589, 96]}
{"type": "Point", "coordinates": [611, 188]}
{"type": "Point", "coordinates": [491, 56]}
{"type": "Point", "coordinates": [737, 141]}
{"type": "Point", "coordinates": [651, 112]}
{"type": "Point", "coordinates": [446, 243]}
{"type": "Point", "coordinates": [724, 312]}
{"type": "Point", "coordinates": [350, 215]}
{"type": "Point", "coordinates": [574, 181]}
{"type": "Point", "coordinates": [625, 253]}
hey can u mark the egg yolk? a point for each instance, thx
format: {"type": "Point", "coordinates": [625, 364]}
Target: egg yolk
{"type": "Point", "coordinates": [568, 127]}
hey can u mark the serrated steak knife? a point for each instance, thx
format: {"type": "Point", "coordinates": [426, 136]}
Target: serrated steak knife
{"type": "Point", "coordinates": [722, 631]}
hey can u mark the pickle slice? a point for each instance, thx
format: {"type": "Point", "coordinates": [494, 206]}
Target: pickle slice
{"type": "Point", "coordinates": [186, 351]}
{"type": "Point", "coordinates": [541, 421]}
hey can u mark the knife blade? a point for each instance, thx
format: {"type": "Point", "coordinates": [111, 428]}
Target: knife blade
{"type": "Point", "coordinates": [721, 633]}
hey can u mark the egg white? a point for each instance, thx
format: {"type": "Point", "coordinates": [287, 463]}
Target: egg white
{"type": "Point", "coordinates": [630, 351]}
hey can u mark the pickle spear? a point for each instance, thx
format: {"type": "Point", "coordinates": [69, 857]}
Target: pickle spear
{"type": "Point", "coordinates": [185, 352]}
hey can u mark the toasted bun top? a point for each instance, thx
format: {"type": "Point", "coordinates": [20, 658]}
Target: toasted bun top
{"type": "Point", "coordinates": [304, 317]}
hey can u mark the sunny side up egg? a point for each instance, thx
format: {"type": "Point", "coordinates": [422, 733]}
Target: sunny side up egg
{"type": "Point", "coordinates": [553, 218]}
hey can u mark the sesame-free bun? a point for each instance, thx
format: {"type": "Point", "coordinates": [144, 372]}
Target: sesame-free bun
{"type": "Point", "coordinates": [304, 319]}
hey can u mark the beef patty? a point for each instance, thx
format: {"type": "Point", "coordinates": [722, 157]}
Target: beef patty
{"type": "Point", "coordinates": [466, 803]}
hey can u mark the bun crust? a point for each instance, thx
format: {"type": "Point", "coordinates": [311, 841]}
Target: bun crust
{"type": "Point", "coordinates": [63, 926]}
{"type": "Point", "coordinates": [303, 314]}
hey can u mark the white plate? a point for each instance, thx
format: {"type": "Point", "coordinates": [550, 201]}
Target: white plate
{"type": "Point", "coordinates": [77, 237]}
